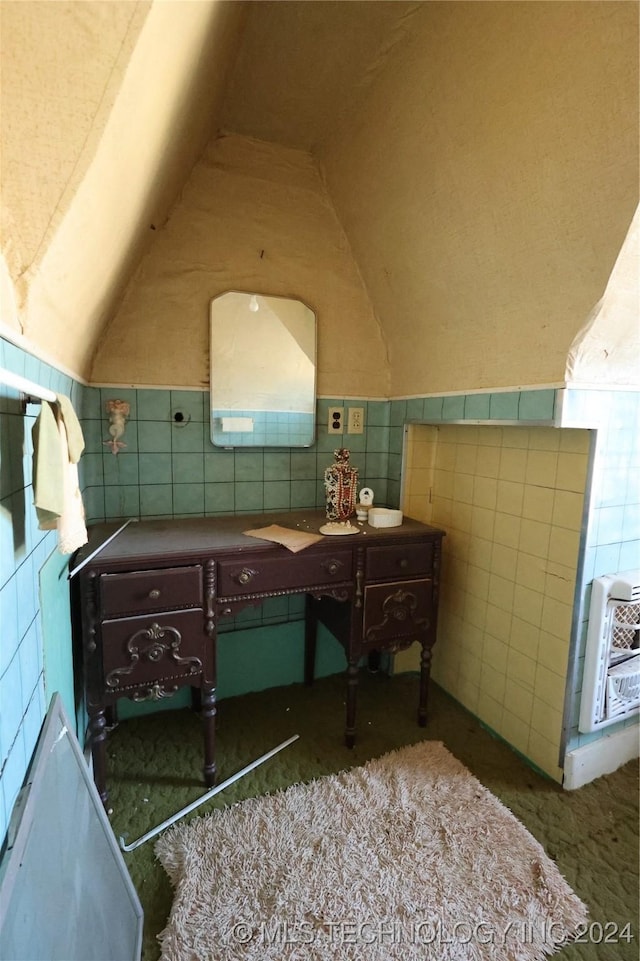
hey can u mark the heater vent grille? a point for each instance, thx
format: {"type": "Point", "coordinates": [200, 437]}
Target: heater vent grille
{"type": "Point", "coordinates": [625, 628]}
{"type": "Point", "coordinates": [611, 680]}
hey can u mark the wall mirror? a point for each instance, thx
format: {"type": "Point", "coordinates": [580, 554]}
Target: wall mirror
{"type": "Point", "coordinates": [263, 371]}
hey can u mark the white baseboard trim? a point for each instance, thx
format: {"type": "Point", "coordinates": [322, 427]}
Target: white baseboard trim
{"type": "Point", "coordinates": [603, 756]}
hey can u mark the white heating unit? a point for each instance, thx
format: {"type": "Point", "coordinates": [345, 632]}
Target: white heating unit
{"type": "Point", "coordinates": [611, 680]}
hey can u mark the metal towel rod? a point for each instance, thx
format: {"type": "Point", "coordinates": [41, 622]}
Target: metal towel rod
{"type": "Point", "coordinates": [32, 391]}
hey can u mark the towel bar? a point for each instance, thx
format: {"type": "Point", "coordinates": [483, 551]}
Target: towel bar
{"type": "Point", "coordinates": [34, 394]}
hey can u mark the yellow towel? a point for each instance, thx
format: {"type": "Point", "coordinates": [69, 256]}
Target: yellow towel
{"type": "Point", "coordinates": [57, 445]}
{"type": "Point", "coordinates": [75, 438]}
{"type": "Point", "coordinates": [48, 472]}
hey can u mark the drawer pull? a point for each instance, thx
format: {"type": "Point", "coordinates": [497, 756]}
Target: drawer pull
{"type": "Point", "coordinates": [404, 563]}
{"type": "Point", "coordinates": [154, 594]}
{"type": "Point", "coordinates": [332, 566]}
{"type": "Point", "coordinates": [245, 576]}
{"type": "Point", "coordinates": [154, 693]}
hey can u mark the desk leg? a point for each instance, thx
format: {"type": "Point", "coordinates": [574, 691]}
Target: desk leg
{"type": "Point", "coordinates": [98, 740]}
{"type": "Point", "coordinates": [310, 638]}
{"type": "Point", "coordinates": [425, 674]}
{"type": "Point", "coordinates": [352, 696]}
{"type": "Point", "coordinates": [208, 715]}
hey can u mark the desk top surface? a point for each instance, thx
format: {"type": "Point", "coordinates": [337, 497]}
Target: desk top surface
{"type": "Point", "coordinates": [200, 536]}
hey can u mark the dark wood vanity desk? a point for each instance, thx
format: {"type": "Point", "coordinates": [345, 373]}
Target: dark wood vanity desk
{"type": "Point", "coordinates": [149, 603]}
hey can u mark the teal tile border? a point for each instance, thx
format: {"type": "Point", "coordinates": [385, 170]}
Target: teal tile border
{"type": "Point", "coordinates": [415, 409]}
{"type": "Point", "coordinates": [504, 405]}
{"type": "Point", "coordinates": [377, 413]}
{"type": "Point", "coordinates": [153, 404]}
{"type": "Point", "coordinates": [537, 405]}
{"type": "Point", "coordinates": [453, 408]}
{"type": "Point", "coordinates": [511, 405]}
{"type": "Point", "coordinates": [192, 404]}
{"type": "Point", "coordinates": [476, 406]}
{"type": "Point", "coordinates": [433, 408]}
{"type": "Point", "coordinates": [398, 413]}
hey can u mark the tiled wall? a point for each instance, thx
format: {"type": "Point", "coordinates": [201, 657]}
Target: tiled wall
{"type": "Point", "coordinates": [170, 468]}
{"type": "Point", "coordinates": [25, 551]}
{"type": "Point", "coordinates": [511, 501]}
{"type": "Point", "coordinates": [609, 535]}
{"type": "Point", "coordinates": [612, 541]}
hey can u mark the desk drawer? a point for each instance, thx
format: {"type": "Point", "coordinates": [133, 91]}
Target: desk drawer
{"type": "Point", "coordinates": [396, 610]}
{"type": "Point", "coordinates": [259, 576]}
{"type": "Point", "coordinates": [142, 650]}
{"type": "Point", "coordinates": [402, 560]}
{"type": "Point", "coordinates": [139, 591]}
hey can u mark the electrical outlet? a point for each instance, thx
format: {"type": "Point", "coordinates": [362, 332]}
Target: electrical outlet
{"type": "Point", "coordinates": [355, 423]}
{"type": "Point", "coordinates": [335, 420]}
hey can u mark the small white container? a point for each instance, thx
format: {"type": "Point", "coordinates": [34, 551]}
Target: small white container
{"type": "Point", "coordinates": [384, 517]}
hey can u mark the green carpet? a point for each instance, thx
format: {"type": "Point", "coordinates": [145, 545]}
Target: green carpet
{"type": "Point", "coordinates": [155, 762]}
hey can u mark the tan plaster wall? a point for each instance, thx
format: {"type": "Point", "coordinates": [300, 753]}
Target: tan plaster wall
{"type": "Point", "coordinates": [486, 184]}
{"type": "Point", "coordinates": [61, 68]}
{"type": "Point", "coordinates": [110, 107]}
{"type": "Point", "coordinates": [255, 217]}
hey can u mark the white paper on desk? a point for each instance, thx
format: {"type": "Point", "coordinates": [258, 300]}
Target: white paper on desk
{"type": "Point", "coordinates": [293, 540]}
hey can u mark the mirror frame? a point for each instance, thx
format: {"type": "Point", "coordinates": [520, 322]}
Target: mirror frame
{"type": "Point", "coordinates": [235, 423]}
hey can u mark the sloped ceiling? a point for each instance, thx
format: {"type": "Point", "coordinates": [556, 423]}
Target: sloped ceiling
{"type": "Point", "coordinates": [302, 68]}
{"type": "Point", "coordinates": [482, 160]}
{"type": "Point", "coordinates": [107, 104]}
{"type": "Point", "coordinates": [105, 108]}
{"type": "Point", "coordinates": [62, 68]}
{"type": "Point", "coordinates": [486, 184]}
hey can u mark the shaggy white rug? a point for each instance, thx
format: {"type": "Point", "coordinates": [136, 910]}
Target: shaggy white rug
{"type": "Point", "coordinates": [407, 857]}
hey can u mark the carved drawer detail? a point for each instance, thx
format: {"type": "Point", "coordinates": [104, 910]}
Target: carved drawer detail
{"type": "Point", "coordinates": [145, 651]}
{"type": "Point", "coordinates": [396, 610]}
